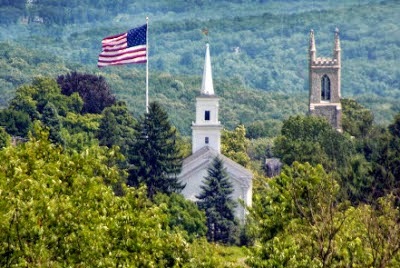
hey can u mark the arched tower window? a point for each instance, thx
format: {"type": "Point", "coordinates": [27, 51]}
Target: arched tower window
{"type": "Point", "coordinates": [325, 88]}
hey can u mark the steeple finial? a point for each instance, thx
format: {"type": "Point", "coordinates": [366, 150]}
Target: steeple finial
{"type": "Point", "coordinates": [207, 87]}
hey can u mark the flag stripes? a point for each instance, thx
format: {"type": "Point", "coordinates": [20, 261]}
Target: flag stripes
{"type": "Point", "coordinates": [125, 48]}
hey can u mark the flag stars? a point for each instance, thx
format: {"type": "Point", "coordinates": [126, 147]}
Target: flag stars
{"type": "Point", "coordinates": [137, 36]}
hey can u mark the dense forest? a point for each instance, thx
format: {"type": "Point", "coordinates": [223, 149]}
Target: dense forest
{"type": "Point", "coordinates": [88, 179]}
{"type": "Point", "coordinates": [260, 45]}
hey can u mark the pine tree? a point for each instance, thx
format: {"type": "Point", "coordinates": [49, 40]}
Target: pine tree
{"type": "Point", "coordinates": [156, 159]}
{"type": "Point", "coordinates": [219, 207]}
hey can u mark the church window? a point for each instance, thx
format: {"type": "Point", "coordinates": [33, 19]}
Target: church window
{"type": "Point", "coordinates": [325, 88]}
{"type": "Point", "coordinates": [206, 140]}
{"type": "Point", "coordinates": [207, 115]}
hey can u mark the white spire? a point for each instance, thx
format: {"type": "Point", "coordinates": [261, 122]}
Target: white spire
{"type": "Point", "coordinates": [207, 87]}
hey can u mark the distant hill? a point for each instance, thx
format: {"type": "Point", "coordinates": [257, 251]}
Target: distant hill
{"type": "Point", "coordinates": [254, 44]}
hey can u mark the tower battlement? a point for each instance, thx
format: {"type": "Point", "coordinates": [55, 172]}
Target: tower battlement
{"type": "Point", "coordinates": [328, 62]}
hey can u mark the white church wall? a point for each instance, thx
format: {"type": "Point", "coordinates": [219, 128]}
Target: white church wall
{"type": "Point", "coordinates": [242, 188]}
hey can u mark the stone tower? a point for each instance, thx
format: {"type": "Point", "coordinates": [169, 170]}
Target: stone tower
{"type": "Point", "coordinates": [324, 83]}
{"type": "Point", "coordinates": [206, 131]}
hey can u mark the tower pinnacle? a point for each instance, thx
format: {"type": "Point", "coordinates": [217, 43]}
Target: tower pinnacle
{"type": "Point", "coordinates": [336, 50]}
{"type": "Point", "coordinates": [337, 39]}
{"type": "Point", "coordinates": [207, 87]}
{"type": "Point", "coordinates": [312, 48]}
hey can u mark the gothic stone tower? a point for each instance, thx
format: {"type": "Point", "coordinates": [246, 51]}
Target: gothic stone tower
{"type": "Point", "coordinates": [206, 131]}
{"type": "Point", "coordinates": [325, 84]}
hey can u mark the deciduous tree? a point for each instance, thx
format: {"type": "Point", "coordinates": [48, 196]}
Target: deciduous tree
{"type": "Point", "coordinates": [94, 90]}
{"type": "Point", "coordinates": [234, 145]}
{"type": "Point", "coordinates": [57, 210]}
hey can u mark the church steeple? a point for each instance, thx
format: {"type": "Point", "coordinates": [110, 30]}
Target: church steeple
{"type": "Point", "coordinates": [206, 131]}
{"type": "Point", "coordinates": [207, 87]}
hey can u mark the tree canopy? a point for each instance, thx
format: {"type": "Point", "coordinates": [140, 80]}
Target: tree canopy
{"type": "Point", "coordinates": [56, 209]}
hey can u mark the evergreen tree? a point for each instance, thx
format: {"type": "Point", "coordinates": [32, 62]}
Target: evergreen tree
{"type": "Point", "coordinates": [219, 207]}
{"type": "Point", "coordinates": [155, 158]}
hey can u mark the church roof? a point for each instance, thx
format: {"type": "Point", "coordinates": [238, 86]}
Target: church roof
{"type": "Point", "coordinates": [207, 87]}
{"type": "Point", "coordinates": [202, 159]}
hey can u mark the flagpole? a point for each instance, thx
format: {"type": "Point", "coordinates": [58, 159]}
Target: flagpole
{"type": "Point", "coordinates": [147, 65]}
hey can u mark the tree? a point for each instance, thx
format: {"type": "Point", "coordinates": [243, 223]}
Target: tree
{"type": "Point", "coordinates": [30, 102]}
{"type": "Point", "coordinates": [117, 127]}
{"type": "Point", "coordinates": [385, 158]}
{"type": "Point", "coordinates": [155, 157]}
{"type": "Point", "coordinates": [183, 215]}
{"type": "Point", "coordinates": [94, 90]}
{"type": "Point", "coordinates": [16, 123]}
{"type": "Point", "coordinates": [298, 219]}
{"type": "Point", "coordinates": [234, 145]}
{"type": "Point", "coordinates": [382, 232]}
{"type": "Point", "coordinates": [312, 139]}
{"type": "Point", "coordinates": [301, 222]}
{"type": "Point", "coordinates": [356, 120]}
{"type": "Point", "coordinates": [5, 139]}
{"type": "Point", "coordinates": [219, 207]}
{"type": "Point", "coordinates": [51, 119]}
{"type": "Point", "coordinates": [57, 210]}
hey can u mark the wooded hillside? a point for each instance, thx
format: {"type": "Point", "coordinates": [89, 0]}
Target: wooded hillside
{"type": "Point", "coordinates": [259, 45]}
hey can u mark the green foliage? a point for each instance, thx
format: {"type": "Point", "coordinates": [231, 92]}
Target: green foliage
{"type": "Point", "coordinates": [56, 210]}
{"type": "Point", "coordinates": [265, 128]}
{"type": "Point", "coordinates": [382, 232]}
{"type": "Point", "coordinates": [155, 157]}
{"type": "Point", "coordinates": [234, 145]}
{"type": "Point", "coordinates": [42, 100]}
{"type": "Point", "coordinates": [183, 215]}
{"type": "Point", "coordinates": [298, 219]}
{"type": "Point", "coordinates": [215, 200]}
{"type": "Point", "coordinates": [383, 151]}
{"type": "Point", "coordinates": [261, 45]}
{"type": "Point", "coordinates": [394, 128]}
{"type": "Point", "coordinates": [5, 139]}
{"type": "Point", "coordinates": [77, 123]}
{"type": "Point", "coordinates": [356, 119]}
{"type": "Point", "coordinates": [51, 120]}
{"type": "Point", "coordinates": [16, 123]}
{"type": "Point", "coordinates": [300, 222]}
{"type": "Point", "coordinates": [210, 255]}
{"type": "Point", "coordinates": [311, 139]}
{"type": "Point", "coordinates": [117, 127]}
{"type": "Point", "coordinates": [259, 150]}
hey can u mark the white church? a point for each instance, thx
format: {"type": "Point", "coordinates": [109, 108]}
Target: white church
{"type": "Point", "coordinates": [206, 145]}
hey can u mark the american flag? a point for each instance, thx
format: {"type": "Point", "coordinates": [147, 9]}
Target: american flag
{"type": "Point", "coordinates": [129, 47]}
